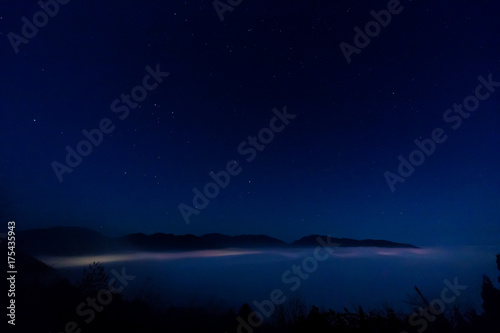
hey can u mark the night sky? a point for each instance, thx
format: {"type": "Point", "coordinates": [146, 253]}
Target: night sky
{"type": "Point", "coordinates": [323, 169]}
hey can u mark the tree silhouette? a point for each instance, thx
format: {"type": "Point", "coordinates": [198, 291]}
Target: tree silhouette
{"type": "Point", "coordinates": [295, 309]}
{"type": "Point", "coordinates": [93, 278]}
{"type": "Point", "coordinates": [498, 266]}
{"type": "Point", "coordinates": [491, 301]}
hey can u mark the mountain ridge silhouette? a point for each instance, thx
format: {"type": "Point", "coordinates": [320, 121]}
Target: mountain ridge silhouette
{"type": "Point", "coordinates": [71, 241]}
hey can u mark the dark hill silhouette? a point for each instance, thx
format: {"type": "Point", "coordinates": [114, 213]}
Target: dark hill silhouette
{"type": "Point", "coordinates": [32, 266]}
{"type": "Point", "coordinates": [64, 241]}
{"type": "Point", "coordinates": [347, 242]}
{"type": "Point", "coordinates": [247, 241]}
{"type": "Point", "coordinates": [160, 242]}
{"type": "Point", "coordinates": [82, 241]}
{"type": "Point", "coordinates": [33, 270]}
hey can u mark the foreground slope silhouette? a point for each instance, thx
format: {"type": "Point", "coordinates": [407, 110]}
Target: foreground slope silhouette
{"type": "Point", "coordinates": [49, 301]}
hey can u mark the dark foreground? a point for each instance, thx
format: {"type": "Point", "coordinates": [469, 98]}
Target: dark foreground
{"type": "Point", "coordinates": [45, 302]}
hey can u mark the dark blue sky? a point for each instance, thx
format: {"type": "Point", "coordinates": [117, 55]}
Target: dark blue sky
{"type": "Point", "coordinates": [323, 173]}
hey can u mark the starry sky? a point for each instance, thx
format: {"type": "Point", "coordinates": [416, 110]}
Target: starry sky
{"type": "Point", "coordinates": [218, 77]}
